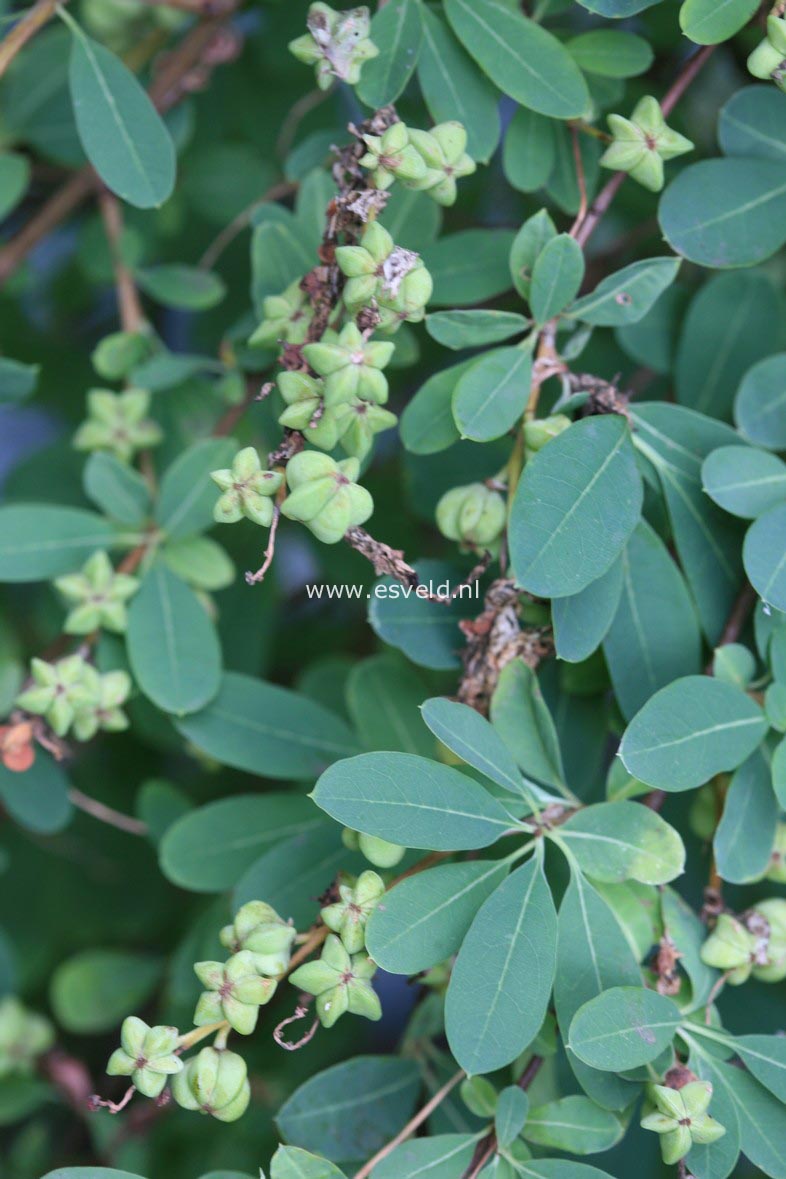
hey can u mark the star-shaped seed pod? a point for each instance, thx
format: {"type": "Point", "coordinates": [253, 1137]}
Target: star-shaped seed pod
{"type": "Point", "coordinates": [403, 295]}
{"type": "Point", "coordinates": [247, 489]}
{"type": "Point", "coordinates": [358, 422]}
{"type": "Point", "coordinates": [24, 1036]}
{"type": "Point", "coordinates": [731, 948]}
{"type": "Point", "coordinates": [390, 157]}
{"type": "Point", "coordinates": [680, 1118]}
{"type": "Point", "coordinates": [235, 992]}
{"type": "Point", "coordinates": [258, 930]}
{"type": "Point", "coordinates": [768, 60]}
{"type": "Point", "coordinates": [306, 410]}
{"type": "Point", "coordinates": [99, 595]}
{"type": "Point", "coordinates": [214, 1082]}
{"type": "Point", "coordinates": [770, 961]}
{"type": "Point", "coordinates": [777, 866]}
{"type": "Point", "coordinates": [286, 318]}
{"type": "Point", "coordinates": [337, 44]}
{"type": "Point", "coordinates": [324, 495]}
{"type": "Point", "coordinates": [642, 142]}
{"type": "Point", "coordinates": [444, 152]}
{"type": "Point", "coordinates": [363, 264]}
{"type": "Point", "coordinates": [102, 707]}
{"type": "Point", "coordinates": [340, 983]}
{"type": "Point", "coordinates": [351, 367]}
{"type": "Point", "coordinates": [146, 1055]}
{"type": "Point", "coordinates": [118, 423]}
{"type": "Point", "coordinates": [58, 689]}
{"type": "Point", "coordinates": [473, 514]}
{"type": "Point", "coordinates": [349, 916]}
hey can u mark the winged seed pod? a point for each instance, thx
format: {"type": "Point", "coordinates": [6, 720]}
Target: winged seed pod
{"type": "Point", "coordinates": [340, 982]}
{"type": "Point", "coordinates": [286, 318]}
{"type": "Point", "coordinates": [337, 44]}
{"type": "Point", "coordinates": [348, 916]}
{"type": "Point", "coordinates": [214, 1082]}
{"type": "Point", "coordinates": [324, 495]}
{"type": "Point", "coordinates": [258, 930]}
{"type": "Point", "coordinates": [58, 689]}
{"type": "Point", "coordinates": [234, 991]}
{"type": "Point", "coordinates": [99, 596]}
{"type": "Point", "coordinates": [472, 514]}
{"type": "Point", "coordinates": [146, 1055]}
{"type": "Point", "coordinates": [118, 423]}
{"type": "Point", "coordinates": [642, 143]}
{"type": "Point", "coordinates": [351, 367]}
{"type": "Point", "coordinates": [246, 490]}
{"type": "Point", "coordinates": [390, 157]}
{"type": "Point", "coordinates": [379, 852]}
{"type": "Point", "coordinates": [681, 1120]}
{"type": "Point", "coordinates": [768, 60]}
{"type": "Point", "coordinates": [306, 410]}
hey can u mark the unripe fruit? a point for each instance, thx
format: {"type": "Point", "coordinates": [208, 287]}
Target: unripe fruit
{"type": "Point", "coordinates": [380, 852]}
{"type": "Point", "coordinates": [214, 1082]}
{"type": "Point", "coordinates": [474, 514]}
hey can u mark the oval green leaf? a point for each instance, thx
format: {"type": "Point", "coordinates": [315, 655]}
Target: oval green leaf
{"type": "Point", "coordinates": [617, 841]}
{"type": "Point", "coordinates": [623, 1028]}
{"type": "Point", "coordinates": [556, 277]}
{"type": "Point", "coordinates": [41, 541]}
{"type": "Point", "coordinates": [764, 556]}
{"type": "Point", "coordinates": [626, 297]}
{"type": "Point", "coordinates": [744, 481]}
{"type": "Point", "coordinates": [397, 29]}
{"type": "Point", "coordinates": [760, 402]}
{"type": "Point", "coordinates": [490, 398]}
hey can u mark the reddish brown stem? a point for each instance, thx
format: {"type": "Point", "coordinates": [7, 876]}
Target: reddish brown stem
{"type": "Point", "coordinates": [412, 1125]}
{"type": "Point", "coordinates": [28, 25]}
{"type": "Point", "coordinates": [132, 316]}
{"type": "Point", "coordinates": [106, 814]}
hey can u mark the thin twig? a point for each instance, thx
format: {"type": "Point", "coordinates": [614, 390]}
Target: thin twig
{"type": "Point", "coordinates": [580, 180]}
{"type": "Point", "coordinates": [132, 317]}
{"type": "Point", "coordinates": [295, 117]}
{"type": "Point", "coordinates": [276, 192]}
{"type": "Point", "coordinates": [107, 814]}
{"type": "Point", "coordinates": [39, 15]}
{"type": "Point", "coordinates": [255, 578]}
{"type": "Point", "coordinates": [411, 1125]}
{"type": "Point", "coordinates": [301, 1011]}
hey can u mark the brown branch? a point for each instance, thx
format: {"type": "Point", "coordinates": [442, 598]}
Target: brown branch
{"type": "Point", "coordinates": [106, 814]}
{"type": "Point", "coordinates": [744, 603]}
{"type": "Point", "coordinates": [487, 1146]}
{"type": "Point", "coordinates": [684, 79]}
{"type": "Point", "coordinates": [39, 15]}
{"type": "Point", "coordinates": [412, 1125]}
{"type": "Point", "coordinates": [580, 179]}
{"type": "Point", "coordinates": [386, 561]}
{"type": "Point", "coordinates": [277, 192]}
{"type": "Point", "coordinates": [132, 317]}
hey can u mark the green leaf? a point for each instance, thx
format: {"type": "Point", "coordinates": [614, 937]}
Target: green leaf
{"type": "Point", "coordinates": [524, 60]}
{"type": "Point", "coordinates": [184, 287]}
{"type": "Point", "coordinates": [353, 1109]}
{"type": "Point", "coordinates": [762, 1118]}
{"type": "Point", "coordinates": [440, 1156]}
{"type": "Point", "coordinates": [626, 297]}
{"type": "Point", "coordinates": [412, 801]}
{"type": "Point", "coordinates": [117, 489]}
{"type": "Point", "coordinates": [510, 1115]}
{"type": "Point", "coordinates": [17, 380]}
{"type": "Point", "coordinates": [582, 620]}
{"type": "Point", "coordinates": [173, 648]}
{"type": "Point", "coordinates": [689, 731]}
{"type": "Point", "coordinates": [490, 398]}
{"type": "Point", "coordinates": [427, 424]}
{"type": "Point", "coordinates": [560, 1168]}
{"type": "Point", "coordinates": [724, 213]}
{"type": "Point", "coordinates": [291, 874]}
{"type": "Point", "coordinates": [122, 133]}
{"type": "Point", "coordinates": [470, 736]}
{"type": "Point", "coordinates": [676, 441]}
{"type": "Point", "coordinates": [501, 981]}
{"type": "Point", "coordinates": [744, 481]}
{"type": "Point", "coordinates": [427, 632]}
{"type": "Point", "coordinates": [89, 1173]}
{"type": "Point", "coordinates": [718, 1159]}
{"type": "Point", "coordinates": [268, 730]}
{"type": "Point", "coordinates": [533, 237]}
{"type": "Point", "coordinates": [764, 556]}
{"type": "Point", "coordinates": [186, 498]}
{"type": "Point", "coordinates": [528, 151]}
{"type": "Point", "coordinates": [610, 53]}
{"type": "Point", "coordinates": [556, 277]}
{"type": "Point", "coordinates": [199, 561]}
{"type": "Point", "coordinates": [653, 340]}
{"type": "Point", "coordinates": [655, 635]}
{"type": "Point", "coordinates": [765, 1057]}
{"type": "Point", "coordinates": [290, 1162]}
{"type": "Point", "coordinates": [279, 255]}
{"type": "Point", "coordinates": [758, 406]}
{"type": "Point", "coordinates": [14, 179]}
{"type": "Point", "coordinates": [41, 541]}
{"type": "Point", "coordinates": [523, 721]}
{"type": "Point", "coordinates": [423, 920]}
{"type": "Point", "coordinates": [454, 88]}
{"type": "Point", "coordinates": [469, 267]}
{"type": "Point", "coordinates": [732, 322]}
{"type": "Point", "coordinates": [746, 833]}
{"type": "Point", "coordinates": [93, 990]}
{"type": "Point", "coordinates": [397, 30]}
{"type": "Point", "coordinates": [38, 798]}
{"type": "Point", "coordinates": [751, 124]}
{"type": "Point", "coordinates": [708, 22]}
{"type": "Point", "coordinates": [617, 9]}
{"type": "Point", "coordinates": [576, 505]}
{"type": "Point", "coordinates": [574, 1124]}
{"type": "Point", "coordinates": [209, 849]}
{"type": "Point", "coordinates": [471, 329]}
{"type": "Point", "coordinates": [593, 955]}
{"type": "Point", "coordinates": [384, 695]}
{"type": "Point", "coordinates": [616, 841]}
{"type": "Point", "coordinates": [623, 1028]}
{"type": "Point", "coordinates": [688, 933]}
